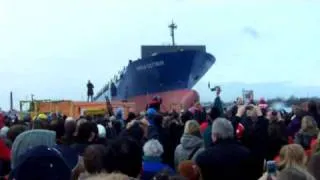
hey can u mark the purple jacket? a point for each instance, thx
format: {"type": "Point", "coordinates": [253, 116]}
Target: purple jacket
{"type": "Point", "coordinates": [293, 127]}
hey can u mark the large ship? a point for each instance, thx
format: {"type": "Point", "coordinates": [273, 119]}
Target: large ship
{"type": "Point", "coordinates": [169, 72]}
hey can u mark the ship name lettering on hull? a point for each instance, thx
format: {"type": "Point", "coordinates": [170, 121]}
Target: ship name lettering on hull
{"type": "Point", "coordinates": [150, 65]}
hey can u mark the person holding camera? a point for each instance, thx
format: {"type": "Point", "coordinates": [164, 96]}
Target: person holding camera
{"type": "Point", "coordinates": [255, 134]}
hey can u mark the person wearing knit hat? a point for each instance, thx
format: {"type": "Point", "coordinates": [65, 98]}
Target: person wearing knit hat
{"type": "Point", "coordinates": [191, 143]}
{"type": "Point", "coordinates": [30, 139]}
{"type": "Point", "coordinates": [263, 104]}
{"type": "Point", "coordinates": [40, 122]}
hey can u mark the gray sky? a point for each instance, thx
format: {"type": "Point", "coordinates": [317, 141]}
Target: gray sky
{"type": "Point", "coordinates": [46, 47]}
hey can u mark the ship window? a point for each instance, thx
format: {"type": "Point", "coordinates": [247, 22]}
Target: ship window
{"type": "Point", "coordinates": [196, 78]}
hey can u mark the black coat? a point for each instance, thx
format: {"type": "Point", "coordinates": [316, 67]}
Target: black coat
{"type": "Point", "coordinates": [256, 139]}
{"type": "Point", "coordinates": [226, 160]}
{"type": "Point", "coordinates": [277, 138]}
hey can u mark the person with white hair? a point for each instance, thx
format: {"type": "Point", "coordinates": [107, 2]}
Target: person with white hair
{"type": "Point", "coordinates": [152, 164]}
{"type": "Point", "coordinates": [4, 131]}
{"type": "Point", "coordinates": [102, 134]}
{"type": "Point", "coordinates": [226, 159]}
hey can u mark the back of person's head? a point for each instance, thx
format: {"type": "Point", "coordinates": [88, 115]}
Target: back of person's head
{"type": "Point", "coordinates": [15, 130]}
{"type": "Point", "coordinates": [292, 155]}
{"type": "Point", "coordinates": [41, 162]}
{"type": "Point", "coordinates": [58, 127]}
{"type": "Point", "coordinates": [186, 116]}
{"type": "Point", "coordinates": [117, 126]}
{"type": "Point", "coordinates": [308, 124]}
{"type": "Point", "coordinates": [214, 114]}
{"type": "Point", "coordinates": [314, 165]}
{"type": "Point", "coordinates": [119, 113]}
{"type": "Point", "coordinates": [135, 131]}
{"type": "Point", "coordinates": [124, 155]}
{"type": "Point", "coordinates": [87, 132]}
{"type": "Point", "coordinates": [40, 122]}
{"type": "Point", "coordinates": [93, 158]}
{"type": "Point", "coordinates": [222, 129]}
{"type": "Point", "coordinates": [30, 139]}
{"type": "Point", "coordinates": [295, 174]}
{"type": "Point", "coordinates": [151, 113]}
{"type": "Point", "coordinates": [158, 120]}
{"type": "Point", "coordinates": [78, 123]}
{"type": "Point", "coordinates": [131, 116]}
{"type": "Point", "coordinates": [312, 107]}
{"type": "Point", "coordinates": [69, 127]}
{"type": "Point", "coordinates": [188, 170]}
{"type": "Point", "coordinates": [192, 127]}
{"type": "Point", "coordinates": [152, 148]}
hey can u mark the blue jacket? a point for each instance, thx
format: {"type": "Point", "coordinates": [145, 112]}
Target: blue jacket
{"type": "Point", "coordinates": [152, 166]}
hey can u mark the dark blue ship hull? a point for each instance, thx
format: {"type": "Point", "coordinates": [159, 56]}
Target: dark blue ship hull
{"type": "Point", "coordinates": [164, 72]}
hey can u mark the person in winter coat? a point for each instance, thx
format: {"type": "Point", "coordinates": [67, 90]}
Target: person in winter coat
{"type": "Point", "coordinates": [255, 135]}
{"type": "Point", "coordinates": [226, 159]}
{"type": "Point", "coordinates": [214, 113]}
{"type": "Point", "coordinates": [277, 134]}
{"type": "Point", "coordinates": [295, 124]}
{"type": "Point", "coordinates": [152, 160]}
{"type": "Point", "coordinates": [307, 133]}
{"type": "Point", "coordinates": [191, 143]}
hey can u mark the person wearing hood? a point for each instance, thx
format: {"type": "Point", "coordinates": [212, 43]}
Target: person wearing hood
{"type": "Point", "coordinates": [119, 117]}
{"type": "Point", "coordinates": [40, 162]}
{"type": "Point", "coordinates": [153, 130]}
{"type": "Point", "coordinates": [308, 132]}
{"type": "Point", "coordinates": [191, 143]}
{"type": "Point", "coordinates": [30, 139]}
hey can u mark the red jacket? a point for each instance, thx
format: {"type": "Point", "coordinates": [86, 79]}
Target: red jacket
{"type": "Point", "coordinates": [203, 127]}
{"type": "Point", "coordinates": [5, 152]}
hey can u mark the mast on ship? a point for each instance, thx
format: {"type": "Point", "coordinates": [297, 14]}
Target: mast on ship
{"type": "Point", "coordinates": [172, 27]}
